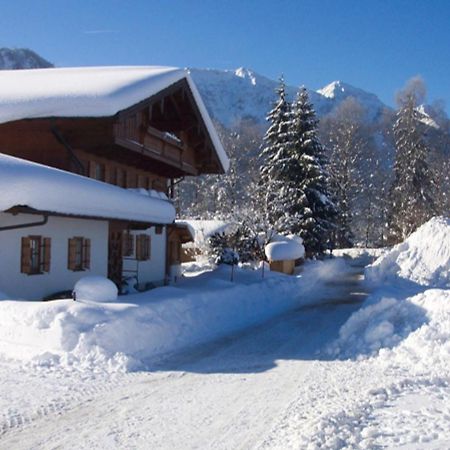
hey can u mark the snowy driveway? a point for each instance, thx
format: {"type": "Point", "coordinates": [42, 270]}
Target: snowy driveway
{"type": "Point", "coordinates": [228, 394]}
{"type": "Point", "coordinates": [271, 386]}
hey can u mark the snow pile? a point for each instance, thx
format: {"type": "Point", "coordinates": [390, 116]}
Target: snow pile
{"type": "Point", "coordinates": [409, 318]}
{"type": "Point", "coordinates": [96, 289]}
{"type": "Point", "coordinates": [424, 258]}
{"type": "Point", "coordinates": [121, 336]}
{"type": "Point", "coordinates": [285, 248]}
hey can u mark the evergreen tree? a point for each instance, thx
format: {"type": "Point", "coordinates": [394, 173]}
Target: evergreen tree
{"type": "Point", "coordinates": [413, 191]}
{"type": "Point", "coordinates": [279, 195]}
{"type": "Point", "coordinates": [318, 213]}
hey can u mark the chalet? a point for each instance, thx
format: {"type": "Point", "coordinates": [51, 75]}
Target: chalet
{"type": "Point", "coordinates": [89, 158]}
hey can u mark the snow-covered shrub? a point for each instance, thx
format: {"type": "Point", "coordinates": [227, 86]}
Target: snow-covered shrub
{"type": "Point", "coordinates": [95, 288]}
{"type": "Point", "coordinates": [240, 241]}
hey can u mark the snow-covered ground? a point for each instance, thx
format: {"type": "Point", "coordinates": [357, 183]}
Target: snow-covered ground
{"type": "Point", "coordinates": [322, 368]}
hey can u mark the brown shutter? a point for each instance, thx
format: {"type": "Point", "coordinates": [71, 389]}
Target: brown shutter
{"type": "Point", "coordinates": [46, 254]}
{"type": "Point", "coordinates": [148, 246]}
{"type": "Point", "coordinates": [143, 244]}
{"type": "Point", "coordinates": [86, 253]}
{"type": "Point", "coordinates": [25, 258]}
{"type": "Point", "coordinates": [71, 260]}
{"type": "Point", "coordinates": [139, 247]}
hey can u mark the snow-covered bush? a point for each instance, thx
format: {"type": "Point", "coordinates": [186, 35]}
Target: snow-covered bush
{"type": "Point", "coordinates": [95, 288]}
{"type": "Point", "coordinates": [239, 241]}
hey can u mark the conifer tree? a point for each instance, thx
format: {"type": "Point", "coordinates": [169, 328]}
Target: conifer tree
{"type": "Point", "coordinates": [318, 213]}
{"type": "Point", "coordinates": [412, 193]}
{"type": "Point", "coordinates": [280, 198]}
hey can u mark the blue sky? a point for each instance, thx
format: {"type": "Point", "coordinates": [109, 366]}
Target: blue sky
{"type": "Point", "coordinates": [375, 45]}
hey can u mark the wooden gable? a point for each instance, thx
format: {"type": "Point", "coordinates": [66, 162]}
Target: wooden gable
{"type": "Point", "coordinates": [163, 135]}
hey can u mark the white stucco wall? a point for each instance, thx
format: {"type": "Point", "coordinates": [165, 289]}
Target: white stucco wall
{"type": "Point", "coordinates": [20, 285]}
{"type": "Point", "coordinates": [153, 270]}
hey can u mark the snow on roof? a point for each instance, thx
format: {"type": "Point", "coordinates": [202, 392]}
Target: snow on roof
{"type": "Point", "coordinates": [24, 183]}
{"type": "Point", "coordinates": [288, 249]}
{"type": "Point", "coordinates": [204, 229]}
{"type": "Point", "coordinates": [91, 92]}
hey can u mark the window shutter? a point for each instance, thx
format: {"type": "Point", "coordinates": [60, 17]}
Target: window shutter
{"type": "Point", "coordinates": [143, 247]}
{"type": "Point", "coordinates": [86, 253]}
{"type": "Point", "coordinates": [139, 247]}
{"type": "Point", "coordinates": [72, 257]}
{"type": "Point", "coordinates": [148, 246]}
{"type": "Point", "coordinates": [46, 252]}
{"type": "Point", "coordinates": [25, 259]}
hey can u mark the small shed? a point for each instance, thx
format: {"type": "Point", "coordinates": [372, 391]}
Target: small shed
{"type": "Point", "coordinates": [283, 254]}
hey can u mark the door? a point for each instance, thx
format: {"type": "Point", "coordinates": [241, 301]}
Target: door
{"type": "Point", "coordinates": [116, 232]}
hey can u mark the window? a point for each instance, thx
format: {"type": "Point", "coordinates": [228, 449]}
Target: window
{"type": "Point", "coordinates": [158, 229]}
{"type": "Point", "coordinates": [159, 185]}
{"type": "Point", "coordinates": [99, 171]}
{"type": "Point", "coordinates": [127, 244]}
{"type": "Point", "coordinates": [96, 170]}
{"type": "Point", "coordinates": [79, 255]}
{"type": "Point", "coordinates": [35, 255]}
{"type": "Point", "coordinates": [143, 247]}
{"type": "Point", "coordinates": [121, 177]}
{"type": "Point", "coordinates": [143, 181]}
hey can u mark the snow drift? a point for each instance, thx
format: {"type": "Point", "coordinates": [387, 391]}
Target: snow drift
{"type": "Point", "coordinates": [406, 322]}
{"type": "Point", "coordinates": [424, 258]}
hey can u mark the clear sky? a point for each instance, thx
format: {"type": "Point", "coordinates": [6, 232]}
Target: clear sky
{"type": "Point", "coordinates": [373, 44]}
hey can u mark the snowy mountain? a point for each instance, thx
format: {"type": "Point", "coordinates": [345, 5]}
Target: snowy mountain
{"type": "Point", "coordinates": [234, 95]}
{"type": "Point", "coordinates": [21, 58]}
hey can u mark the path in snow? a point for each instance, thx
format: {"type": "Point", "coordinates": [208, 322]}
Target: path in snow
{"type": "Point", "coordinates": [229, 394]}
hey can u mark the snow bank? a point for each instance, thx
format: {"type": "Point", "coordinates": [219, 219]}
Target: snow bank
{"type": "Point", "coordinates": [120, 336]}
{"type": "Point", "coordinates": [285, 248]}
{"type": "Point", "coordinates": [413, 333]}
{"type": "Point", "coordinates": [424, 258]}
{"type": "Point", "coordinates": [96, 289]}
{"type": "Point", "coordinates": [398, 319]}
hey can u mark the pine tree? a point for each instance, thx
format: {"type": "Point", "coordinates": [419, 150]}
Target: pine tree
{"type": "Point", "coordinates": [280, 194]}
{"type": "Point", "coordinates": [413, 191]}
{"type": "Point", "coordinates": [318, 213]}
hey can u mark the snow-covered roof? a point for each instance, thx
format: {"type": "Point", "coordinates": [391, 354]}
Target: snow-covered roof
{"type": "Point", "coordinates": [204, 229]}
{"type": "Point", "coordinates": [25, 183]}
{"type": "Point", "coordinates": [288, 249]}
{"type": "Point", "coordinates": [91, 92]}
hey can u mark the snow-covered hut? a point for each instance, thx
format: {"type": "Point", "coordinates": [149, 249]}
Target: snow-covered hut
{"type": "Point", "coordinates": [284, 252]}
{"type": "Point", "coordinates": [88, 161]}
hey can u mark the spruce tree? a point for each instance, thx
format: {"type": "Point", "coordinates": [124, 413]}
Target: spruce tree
{"type": "Point", "coordinates": [413, 190]}
{"type": "Point", "coordinates": [318, 213]}
{"type": "Point", "coordinates": [280, 198]}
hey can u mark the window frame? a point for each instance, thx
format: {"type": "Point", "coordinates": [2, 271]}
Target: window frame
{"type": "Point", "coordinates": [79, 254]}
